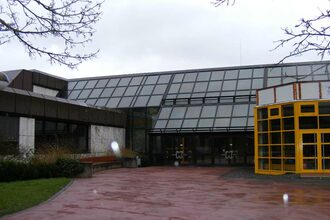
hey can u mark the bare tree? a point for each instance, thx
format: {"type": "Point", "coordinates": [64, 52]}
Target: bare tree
{"type": "Point", "coordinates": [220, 2]}
{"type": "Point", "coordinates": [310, 35]}
{"type": "Point", "coordinates": [67, 24]}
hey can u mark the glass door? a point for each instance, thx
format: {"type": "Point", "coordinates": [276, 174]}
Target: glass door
{"type": "Point", "coordinates": [315, 151]}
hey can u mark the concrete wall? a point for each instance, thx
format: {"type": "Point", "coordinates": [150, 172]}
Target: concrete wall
{"type": "Point", "coordinates": [26, 135]}
{"type": "Point", "coordinates": [100, 138]}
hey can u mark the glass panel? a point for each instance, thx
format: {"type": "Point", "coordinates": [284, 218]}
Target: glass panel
{"type": "Point", "coordinates": [276, 151]}
{"type": "Point", "coordinates": [275, 138]}
{"type": "Point", "coordinates": [229, 85]}
{"type": "Point", "coordinates": [165, 113]}
{"type": "Point", "coordinates": [189, 123]}
{"type": "Point", "coordinates": [119, 91]}
{"type": "Point", "coordinates": [208, 111]}
{"type": "Point", "coordinates": [190, 77]}
{"type": "Point", "coordinates": [107, 92]}
{"type": "Point", "coordinates": [136, 81]}
{"type": "Point", "coordinates": [160, 124]}
{"type": "Point", "coordinates": [203, 76]}
{"type": "Point", "coordinates": [91, 101]}
{"type": "Point", "coordinates": [241, 110]}
{"type": "Point", "coordinates": [80, 85]}
{"type": "Point", "coordinates": [222, 122]}
{"type": "Point", "coordinates": [289, 151]}
{"type": "Point", "coordinates": [263, 164]}
{"type": "Point", "coordinates": [307, 108]}
{"type": "Point", "coordinates": [304, 70]}
{"type": "Point", "coordinates": [186, 87]}
{"type": "Point", "coordinates": [147, 90]}
{"type": "Point", "coordinates": [324, 108]}
{"type": "Point", "coordinates": [275, 124]}
{"type": "Point", "coordinates": [273, 81]}
{"type": "Point", "coordinates": [258, 72]}
{"type": "Point", "coordinates": [263, 126]}
{"type": "Point", "coordinates": [325, 150]}
{"type": "Point", "coordinates": [319, 69]}
{"type": "Point", "coordinates": [325, 137]}
{"type": "Point", "coordinates": [257, 83]}
{"type": "Point", "coordinates": [174, 88]}
{"type": "Point", "coordinates": [262, 113]}
{"type": "Point", "coordinates": [101, 102]}
{"type": "Point", "coordinates": [274, 72]}
{"type": "Point", "coordinates": [263, 138]}
{"type": "Point", "coordinates": [324, 121]}
{"type": "Point", "coordinates": [178, 78]}
{"type": "Point", "coordinates": [113, 102]}
{"type": "Point", "coordinates": [274, 111]}
{"type": "Point", "coordinates": [238, 122]}
{"type": "Point", "coordinates": [90, 84]}
{"type": "Point", "coordinates": [290, 164]}
{"type": "Point", "coordinates": [287, 110]}
{"type": "Point", "coordinates": [310, 150]}
{"type": "Point", "coordinates": [131, 91]}
{"type": "Point", "coordinates": [113, 82]}
{"type": "Point", "coordinates": [84, 94]}
{"type": "Point", "coordinates": [155, 100]}
{"type": "Point", "coordinates": [124, 81]}
{"type": "Point", "coordinates": [74, 94]}
{"type": "Point", "coordinates": [263, 151]}
{"type": "Point", "coordinates": [245, 73]}
{"type": "Point", "coordinates": [244, 84]}
{"type": "Point", "coordinates": [224, 111]}
{"type": "Point", "coordinates": [141, 101]}
{"type": "Point", "coordinates": [326, 164]}
{"type": "Point", "coordinates": [160, 89]}
{"type": "Point", "coordinates": [310, 164]}
{"type": "Point", "coordinates": [288, 137]}
{"type": "Point", "coordinates": [214, 86]}
{"type": "Point", "coordinates": [151, 80]}
{"type": "Point", "coordinates": [102, 83]}
{"type": "Point", "coordinates": [125, 102]}
{"type": "Point", "coordinates": [290, 71]}
{"type": "Point", "coordinates": [309, 138]}
{"type": "Point", "coordinates": [164, 79]}
{"type": "Point", "coordinates": [193, 112]}
{"type": "Point", "coordinates": [200, 87]}
{"type": "Point", "coordinates": [174, 123]}
{"type": "Point", "coordinates": [231, 74]}
{"type": "Point", "coordinates": [95, 93]}
{"type": "Point", "coordinates": [178, 112]}
{"type": "Point", "coordinates": [218, 75]}
{"type": "Point", "coordinates": [71, 85]}
{"type": "Point", "coordinates": [308, 122]}
{"type": "Point", "coordinates": [288, 123]}
{"type": "Point", "coordinates": [205, 123]}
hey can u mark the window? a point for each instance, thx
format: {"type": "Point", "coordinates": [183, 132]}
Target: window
{"type": "Point", "coordinates": [245, 73]}
{"type": "Point", "coordinates": [178, 78]}
{"type": "Point", "coordinates": [229, 85]}
{"type": "Point", "coordinates": [151, 80]}
{"type": "Point", "coordinates": [224, 111]}
{"type": "Point", "coordinates": [178, 112]}
{"type": "Point", "coordinates": [125, 102]}
{"type": "Point", "coordinates": [208, 111]}
{"type": "Point", "coordinates": [222, 122]}
{"type": "Point", "coordinates": [165, 113]}
{"type": "Point", "coordinates": [190, 77]}
{"type": "Point", "coordinates": [147, 90]}
{"type": "Point", "coordinates": [174, 123]}
{"type": "Point", "coordinates": [130, 91]}
{"type": "Point", "coordinates": [161, 124]}
{"type": "Point", "coordinates": [324, 108]}
{"type": "Point", "coordinates": [231, 74]}
{"type": "Point", "coordinates": [136, 81]}
{"type": "Point", "coordinates": [174, 88]}
{"type": "Point", "coordinates": [155, 100]}
{"type": "Point", "coordinates": [200, 87]}
{"type": "Point", "coordinates": [186, 87]}
{"type": "Point", "coordinates": [102, 83]}
{"type": "Point", "coordinates": [113, 102]}
{"type": "Point", "coordinates": [193, 112]}
{"type": "Point", "coordinates": [307, 108]}
{"type": "Point", "coordinates": [274, 112]}
{"type": "Point", "coordinates": [95, 93]}
{"type": "Point", "coordinates": [163, 79]}
{"type": "Point", "coordinates": [84, 94]}
{"type": "Point", "coordinates": [214, 86]}
{"type": "Point", "coordinates": [113, 82]}
{"type": "Point", "coordinates": [189, 123]}
{"type": "Point", "coordinates": [205, 123]}
{"type": "Point", "coordinates": [240, 110]}
{"type": "Point", "coordinates": [107, 92]}
{"type": "Point", "coordinates": [244, 84]}
{"type": "Point", "coordinates": [203, 76]}
{"type": "Point", "coordinates": [80, 85]}
{"type": "Point", "coordinates": [119, 91]}
{"type": "Point", "coordinates": [159, 89]}
{"type": "Point", "coordinates": [101, 102]}
{"type": "Point", "coordinates": [141, 101]}
{"type": "Point", "coordinates": [124, 81]}
{"type": "Point", "coordinates": [90, 84]}
{"type": "Point", "coordinates": [218, 75]}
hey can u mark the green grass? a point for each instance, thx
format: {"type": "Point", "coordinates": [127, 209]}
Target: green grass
{"type": "Point", "coordinates": [19, 195]}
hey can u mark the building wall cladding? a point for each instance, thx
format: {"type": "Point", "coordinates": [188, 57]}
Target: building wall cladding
{"type": "Point", "coordinates": [101, 137]}
{"type": "Point", "coordinates": [27, 104]}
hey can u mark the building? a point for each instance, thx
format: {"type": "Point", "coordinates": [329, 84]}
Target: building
{"type": "Point", "coordinates": [196, 117]}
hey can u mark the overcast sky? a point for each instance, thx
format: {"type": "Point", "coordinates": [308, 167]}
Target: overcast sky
{"type": "Point", "coordinates": [137, 36]}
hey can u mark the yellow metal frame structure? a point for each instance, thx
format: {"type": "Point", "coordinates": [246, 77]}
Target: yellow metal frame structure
{"type": "Point", "coordinates": [292, 137]}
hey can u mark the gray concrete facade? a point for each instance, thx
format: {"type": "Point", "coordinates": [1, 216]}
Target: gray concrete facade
{"type": "Point", "coordinates": [100, 138]}
{"type": "Point", "coordinates": [26, 135]}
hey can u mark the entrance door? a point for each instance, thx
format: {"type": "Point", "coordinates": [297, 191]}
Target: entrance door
{"type": "Point", "coordinates": [178, 150]}
{"type": "Point", "coordinates": [315, 151]}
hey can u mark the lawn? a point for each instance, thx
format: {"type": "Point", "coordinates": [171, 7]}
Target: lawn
{"type": "Point", "coordinates": [19, 195]}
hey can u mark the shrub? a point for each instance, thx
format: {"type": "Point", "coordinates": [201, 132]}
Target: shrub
{"type": "Point", "coordinates": [68, 167]}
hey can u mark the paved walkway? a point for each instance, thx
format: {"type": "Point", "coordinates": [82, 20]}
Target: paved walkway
{"type": "Point", "coordinates": [181, 193]}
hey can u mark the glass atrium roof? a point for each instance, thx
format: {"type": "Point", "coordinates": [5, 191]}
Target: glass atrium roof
{"type": "Point", "coordinates": [199, 100]}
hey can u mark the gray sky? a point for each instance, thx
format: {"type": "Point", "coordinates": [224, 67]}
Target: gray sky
{"type": "Point", "coordinates": [159, 35]}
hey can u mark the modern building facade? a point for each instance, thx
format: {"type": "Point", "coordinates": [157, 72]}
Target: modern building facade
{"type": "Point", "coordinates": [196, 117]}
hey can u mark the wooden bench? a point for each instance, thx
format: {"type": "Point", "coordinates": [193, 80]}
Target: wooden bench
{"type": "Point", "coordinates": [95, 164]}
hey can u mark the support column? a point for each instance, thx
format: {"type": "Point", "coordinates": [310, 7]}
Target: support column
{"type": "Point", "coordinates": [26, 135]}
